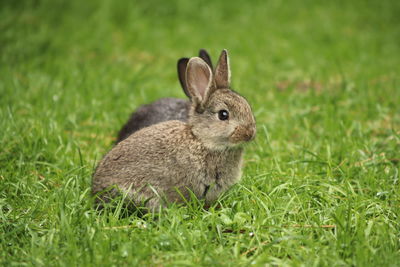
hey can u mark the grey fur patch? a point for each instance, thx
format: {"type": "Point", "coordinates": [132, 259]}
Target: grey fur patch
{"type": "Point", "coordinates": [164, 109]}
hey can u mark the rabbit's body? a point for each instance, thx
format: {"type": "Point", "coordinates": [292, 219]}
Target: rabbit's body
{"type": "Point", "coordinates": [183, 163]}
{"type": "Point", "coordinates": [170, 159]}
{"type": "Point", "coordinates": [164, 109]}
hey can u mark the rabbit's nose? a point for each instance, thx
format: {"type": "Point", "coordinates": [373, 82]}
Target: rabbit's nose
{"type": "Point", "coordinates": [244, 133]}
{"type": "Point", "coordinates": [249, 133]}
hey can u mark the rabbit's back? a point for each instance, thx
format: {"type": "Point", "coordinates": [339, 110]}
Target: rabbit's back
{"type": "Point", "coordinates": [164, 109]}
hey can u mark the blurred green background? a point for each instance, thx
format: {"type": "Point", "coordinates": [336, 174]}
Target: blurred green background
{"type": "Point", "coordinates": [322, 78]}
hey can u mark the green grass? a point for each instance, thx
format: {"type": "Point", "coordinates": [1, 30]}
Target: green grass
{"type": "Point", "coordinates": [323, 80]}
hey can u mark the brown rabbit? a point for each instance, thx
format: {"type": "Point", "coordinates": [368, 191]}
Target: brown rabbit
{"type": "Point", "coordinates": [166, 161]}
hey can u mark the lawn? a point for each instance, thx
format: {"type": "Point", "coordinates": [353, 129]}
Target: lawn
{"type": "Point", "coordinates": [320, 183]}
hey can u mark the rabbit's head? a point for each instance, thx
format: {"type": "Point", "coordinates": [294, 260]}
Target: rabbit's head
{"type": "Point", "coordinates": [219, 117]}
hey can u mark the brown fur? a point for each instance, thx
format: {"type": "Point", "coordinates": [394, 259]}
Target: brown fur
{"type": "Point", "coordinates": [170, 159]}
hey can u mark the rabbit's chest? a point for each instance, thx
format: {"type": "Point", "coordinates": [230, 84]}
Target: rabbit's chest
{"type": "Point", "coordinates": [220, 172]}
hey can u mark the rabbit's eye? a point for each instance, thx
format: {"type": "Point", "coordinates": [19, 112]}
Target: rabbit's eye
{"type": "Point", "coordinates": [223, 115]}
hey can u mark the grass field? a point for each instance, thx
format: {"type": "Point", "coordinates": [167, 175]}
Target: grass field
{"type": "Point", "coordinates": [320, 185]}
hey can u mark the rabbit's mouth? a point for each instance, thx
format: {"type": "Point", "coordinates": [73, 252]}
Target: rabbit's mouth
{"type": "Point", "coordinates": [242, 134]}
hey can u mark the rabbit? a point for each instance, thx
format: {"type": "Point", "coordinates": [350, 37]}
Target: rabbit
{"type": "Point", "coordinates": [164, 109]}
{"type": "Point", "coordinates": [169, 161]}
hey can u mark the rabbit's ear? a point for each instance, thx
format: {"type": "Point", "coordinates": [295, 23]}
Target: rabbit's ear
{"type": "Point", "coordinates": [182, 64]}
{"type": "Point", "coordinates": [223, 71]}
{"type": "Point", "coordinates": [199, 80]}
{"type": "Point", "coordinates": [206, 57]}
